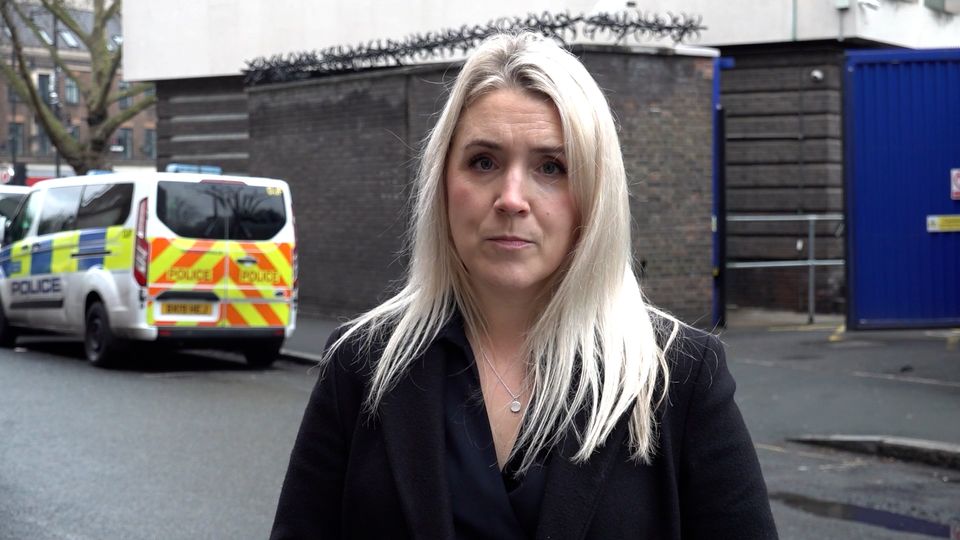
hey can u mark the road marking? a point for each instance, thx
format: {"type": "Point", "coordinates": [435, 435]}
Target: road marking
{"type": "Point", "coordinates": [838, 333]}
{"type": "Point", "coordinates": [901, 378]}
{"type": "Point", "coordinates": [862, 374]}
{"type": "Point", "coordinates": [801, 327]}
{"type": "Point", "coordinates": [952, 342]}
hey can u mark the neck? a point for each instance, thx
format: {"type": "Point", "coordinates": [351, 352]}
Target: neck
{"type": "Point", "coordinates": [508, 319]}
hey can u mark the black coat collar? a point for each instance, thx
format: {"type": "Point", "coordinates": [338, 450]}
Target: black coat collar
{"type": "Point", "coordinates": [413, 425]}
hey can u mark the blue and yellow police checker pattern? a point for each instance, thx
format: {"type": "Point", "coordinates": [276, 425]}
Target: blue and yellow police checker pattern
{"type": "Point", "coordinates": [110, 248]}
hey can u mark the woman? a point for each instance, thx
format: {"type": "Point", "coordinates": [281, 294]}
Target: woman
{"type": "Point", "coordinates": [514, 388]}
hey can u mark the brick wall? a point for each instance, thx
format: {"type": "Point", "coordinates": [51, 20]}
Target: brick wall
{"type": "Point", "coordinates": [663, 108]}
{"type": "Point", "coordinates": [348, 145]}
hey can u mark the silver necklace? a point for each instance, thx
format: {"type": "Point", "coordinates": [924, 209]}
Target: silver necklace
{"type": "Point", "coordinates": [515, 404]}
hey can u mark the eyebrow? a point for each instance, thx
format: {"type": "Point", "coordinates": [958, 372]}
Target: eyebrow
{"type": "Point", "coordinates": [484, 143]}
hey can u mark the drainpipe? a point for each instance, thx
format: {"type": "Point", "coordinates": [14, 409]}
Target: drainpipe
{"type": "Point", "coordinates": [843, 7]}
{"type": "Point", "coordinates": [793, 26]}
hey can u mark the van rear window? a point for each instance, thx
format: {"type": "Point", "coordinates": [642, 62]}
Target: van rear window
{"type": "Point", "coordinates": [221, 211]}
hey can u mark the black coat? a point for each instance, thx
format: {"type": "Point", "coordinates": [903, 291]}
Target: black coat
{"type": "Point", "coordinates": [351, 476]}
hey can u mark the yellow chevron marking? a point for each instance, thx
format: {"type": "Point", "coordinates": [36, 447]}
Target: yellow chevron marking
{"type": "Point", "coordinates": [250, 315]}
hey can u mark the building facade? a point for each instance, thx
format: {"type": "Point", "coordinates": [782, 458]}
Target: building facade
{"type": "Point", "coordinates": [782, 100]}
{"type": "Point", "coordinates": [22, 138]}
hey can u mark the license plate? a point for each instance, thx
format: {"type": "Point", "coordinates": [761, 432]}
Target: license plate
{"type": "Point", "coordinates": [184, 308]}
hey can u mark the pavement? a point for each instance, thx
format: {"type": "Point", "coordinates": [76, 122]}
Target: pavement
{"type": "Point", "coordinates": [893, 393]}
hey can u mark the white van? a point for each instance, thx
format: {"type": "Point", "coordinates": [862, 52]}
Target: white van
{"type": "Point", "coordinates": [187, 260]}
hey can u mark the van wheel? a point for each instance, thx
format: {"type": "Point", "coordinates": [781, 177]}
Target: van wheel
{"type": "Point", "coordinates": [262, 355]}
{"type": "Point", "coordinates": [8, 334]}
{"type": "Point", "coordinates": [99, 342]}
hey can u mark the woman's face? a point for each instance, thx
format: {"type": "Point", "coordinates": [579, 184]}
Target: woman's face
{"type": "Point", "coordinates": [512, 215]}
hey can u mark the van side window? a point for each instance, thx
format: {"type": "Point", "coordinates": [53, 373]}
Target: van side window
{"type": "Point", "coordinates": [59, 210]}
{"type": "Point", "coordinates": [104, 205]}
{"type": "Point", "coordinates": [25, 218]}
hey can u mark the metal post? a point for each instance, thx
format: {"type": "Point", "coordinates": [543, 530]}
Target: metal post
{"type": "Point", "coordinates": [13, 110]}
{"type": "Point", "coordinates": [56, 92]}
{"type": "Point", "coordinates": [811, 258]}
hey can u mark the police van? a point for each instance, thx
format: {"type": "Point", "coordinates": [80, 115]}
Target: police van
{"type": "Point", "coordinates": [186, 260]}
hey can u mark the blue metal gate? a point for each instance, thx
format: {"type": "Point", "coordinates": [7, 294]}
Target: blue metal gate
{"type": "Point", "coordinates": [902, 136]}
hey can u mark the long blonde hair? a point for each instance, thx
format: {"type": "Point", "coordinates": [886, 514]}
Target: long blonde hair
{"type": "Point", "coordinates": [594, 349]}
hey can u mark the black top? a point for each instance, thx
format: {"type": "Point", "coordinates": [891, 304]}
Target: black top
{"type": "Point", "coordinates": [486, 503]}
{"type": "Point", "coordinates": [358, 475]}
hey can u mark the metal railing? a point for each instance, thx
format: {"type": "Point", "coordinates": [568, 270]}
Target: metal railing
{"type": "Point", "coordinates": [811, 262]}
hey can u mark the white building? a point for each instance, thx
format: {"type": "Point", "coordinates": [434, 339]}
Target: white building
{"type": "Point", "coordinates": [177, 39]}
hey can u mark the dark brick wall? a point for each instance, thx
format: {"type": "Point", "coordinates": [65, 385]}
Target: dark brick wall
{"type": "Point", "coordinates": [348, 147]}
{"type": "Point", "coordinates": [663, 109]}
{"type": "Point", "coordinates": [784, 156]}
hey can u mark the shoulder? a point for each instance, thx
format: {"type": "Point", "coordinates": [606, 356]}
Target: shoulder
{"type": "Point", "coordinates": [344, 373]}
{"type": "Point", "coordinates": [690, 349]}
{"type": "Point", "coordinates": [696, 364]}
{"type": "Point", "coordinates": [353, 351]}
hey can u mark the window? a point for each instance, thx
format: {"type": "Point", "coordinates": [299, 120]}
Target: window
{"type": "Point", "coordinates": [104, 205]}
{"type": "Point", "coordinates": [15, 136]}
{"type": "Point", "coordinates": [124, 102]}
{"type": "Point", "coordinates": [24, 220]}
{"type": "Point", "coordinates": [71, 91]}
{"type": "Point", "coordinates": [43, 142]}
{"type": "Point", "coordinates": [221, 211]}
{"type": "Point", "coordinates": [125, 142]}
{"type": "Point", "coordinates": [69, 39]}
{"type": "Point", "coordinates": [43, 86]}
{"type": "Point", "coordinates": [59, 210]}
{"type": "Point", "coordinates": [45, 36]}
{"type": "Point", "coordinates": [149, 148]}
{"type": "Point", "coordinates": [12, 96]}
{"type": "Point", "coordinates": [8, 205]}
{"type": "Point", "coordinates": [75, 132]}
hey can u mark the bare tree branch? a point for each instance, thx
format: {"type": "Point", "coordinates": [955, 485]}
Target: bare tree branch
{"type": "Point", "coordinates": [134, 90]}
{"type": "Point", "coordinates": [97, 90]}
{"type": "Point", "coordinates": [115, 121]}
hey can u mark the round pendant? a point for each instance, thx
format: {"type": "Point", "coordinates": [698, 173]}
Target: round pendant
{"type": "Point", "coordinates": [515, 406]}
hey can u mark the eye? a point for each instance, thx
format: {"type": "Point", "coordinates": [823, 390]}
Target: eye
{"type": "Point", "coordinates": [553, 168]}
{"type": "Point", "coordinates": [482, 163]}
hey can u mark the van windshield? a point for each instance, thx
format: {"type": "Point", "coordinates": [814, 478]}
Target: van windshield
{"type": "Point", "coordinates": [221, 211]}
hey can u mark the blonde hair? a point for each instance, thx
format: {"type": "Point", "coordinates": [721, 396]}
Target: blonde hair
{"type": "Point", "coordinates": [594, 349]}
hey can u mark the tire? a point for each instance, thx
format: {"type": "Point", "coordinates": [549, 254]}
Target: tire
{"type": "Point", "coordinates": [8, 334]}
{"type": "Point", "coordinates": [99, 343]}
{"type": "Point", "coordinates": [262, 355]}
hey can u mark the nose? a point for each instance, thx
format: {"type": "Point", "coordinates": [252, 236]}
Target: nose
{"type": "Point", "coordinates": [511, 198]}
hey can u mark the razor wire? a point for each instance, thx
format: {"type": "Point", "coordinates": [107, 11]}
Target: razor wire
{"type": "Point", "coordinates": [617, 27]}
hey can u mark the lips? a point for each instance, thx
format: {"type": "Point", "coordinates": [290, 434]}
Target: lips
{"type": "Point", "coordinates": [510, 242]}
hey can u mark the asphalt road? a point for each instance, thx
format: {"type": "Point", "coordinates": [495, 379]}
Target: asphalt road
{"type": "Point", "coordinates": [195, 446]}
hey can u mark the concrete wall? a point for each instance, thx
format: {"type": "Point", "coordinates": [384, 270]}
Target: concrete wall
{"type": "Point", "coordinates": [784, 157]}
{"type": "Point", "coordinates": [203, 121]}
{"type": "Point", "coordinates": [205, 38]}
{"type": "Point", "coordinates": [348, 144]}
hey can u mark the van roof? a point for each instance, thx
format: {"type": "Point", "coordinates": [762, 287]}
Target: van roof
{"type": "Point", "coordinates": [154, 176]}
